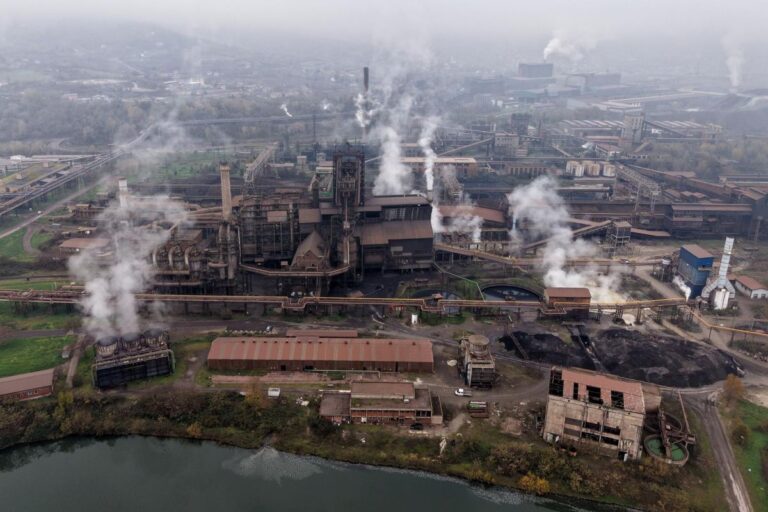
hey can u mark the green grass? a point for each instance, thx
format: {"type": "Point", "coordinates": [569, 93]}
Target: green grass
{"type": "Point", "coordinates": [30, 355]}
{"type": "Point", "coordinates": [32, 284]}
{"type": "Point", "coordinates": [39, 238]}
{"type": "Point", "coordinates": [83, 378]}
{"type": "Point", "coordinates": [11, 247]}
{"type": "Point", "coordinates": [748, 457]}
{"type": "Point", "coordinates": [41, 317]}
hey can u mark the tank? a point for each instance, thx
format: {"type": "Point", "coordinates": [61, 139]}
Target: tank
{"type": "Point", "coordinates": [592, 169]}
{"type": "Point", "coordinates": [478, 344]}
{"type": "Point", "coordinates": [609, 171]}
{"type": "Point", "coordinates": [155, 337]}
{"type": "Point", "coordinates": [106, 346]}
{"type": "Point", "coordinates": [132, 341]}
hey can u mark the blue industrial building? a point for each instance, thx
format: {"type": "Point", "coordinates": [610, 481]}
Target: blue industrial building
{"type": "Point", "coordinates": [694, 267]}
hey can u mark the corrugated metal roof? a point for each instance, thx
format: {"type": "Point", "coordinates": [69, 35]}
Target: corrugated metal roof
{"type": "Point", "coordinates": [381, 233]}
{"type": "Point", "coordinates": [570, 293]}
{"type": "Point", "coordinates": [697, 251]}
{"type": "Point", "coordinates": [321, 349]}
{"type": "Point", "coordinates": [26, 381]}
{"type": "Point", "coordinates": [487, 214]}
{"type": "Point", "coordinates": [377, 389]}
{"type": "Point", "coordinates": [396, 200]}
{"type": "Point", "coordinates": [84, 243]}
{"type": "Point", "coordinates": [751, 283]}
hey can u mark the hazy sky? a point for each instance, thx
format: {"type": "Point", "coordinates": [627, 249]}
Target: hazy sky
{"type": "Point", "coordinates": [486, 19]}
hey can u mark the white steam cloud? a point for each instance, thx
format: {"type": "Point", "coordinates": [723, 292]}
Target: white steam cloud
{"type": "Point", "coordinates": [569, 46]}
{"type": "Point", "coordinates": [394, 177]}
{"type": "Point", "coordinates": [429, 125]}
{"type": "Point", "coordinates": [734, 58]}
{"type": "Point", "coordinates": [284, 108]}
{"type": "Point", "coordinates": [111, 282]}
{"type": "Point", "coordinates": [540, 213]}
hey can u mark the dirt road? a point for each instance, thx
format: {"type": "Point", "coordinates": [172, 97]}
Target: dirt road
{"type": "Point", "coordinates": [733, 481]}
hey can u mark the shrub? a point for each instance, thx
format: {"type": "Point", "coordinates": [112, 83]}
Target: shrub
{"type": "Point", "coordinates": [533, 484]}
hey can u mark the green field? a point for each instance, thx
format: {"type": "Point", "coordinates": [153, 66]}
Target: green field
{"type": "Point", "coordinates": [32, 284]}
{"type": "Point", "coordinates": [40, 317]}
{"type": "Point", "coordinates": [31, 355]}
{"type": "Point", "coordinates": [753, 458]}
{"type": "Point", "coordinates": [11, 247]}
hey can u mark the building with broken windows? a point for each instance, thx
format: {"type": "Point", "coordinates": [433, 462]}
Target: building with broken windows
{"type": "Point", "coordinates": [587, 409]}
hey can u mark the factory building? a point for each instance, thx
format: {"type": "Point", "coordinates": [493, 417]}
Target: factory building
{"type": "Point", "coordinates": [378, 402]}
{"type": "Point", "coordinates": [72, 246]}
{"type": "Point", "coordinates": [590, 409]}
{"type": "Point", "coordinates": [535, 69]}
{"type": "Point", "coordinates": [297, 237]}
{"type": "Point", "coordinates": [476, 363]}
{"type": "Point", "coordinates": [137, 356]}
{"type": "Point", "coordinates": [558, 296]}
{"type": "Point", "coordinates": [308, 352]}
{"type": "Point", "coordinates": [751, 287]}
{"type": "Point", "coordinates": [464, 166]}
{"type": "Point", "coordinates": [694, 266]}
{"type": "Point", "coordinates": [27, 385]}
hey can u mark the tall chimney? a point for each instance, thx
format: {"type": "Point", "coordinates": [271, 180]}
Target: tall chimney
{"type": "Point", "coordinates": [122, 192]}
{"type": "Point", "coordinates": [366, 83]}
{"type": "Point", "coordinates": [226, 192]}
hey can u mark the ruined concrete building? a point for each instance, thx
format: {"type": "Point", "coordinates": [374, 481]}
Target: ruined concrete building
{"type": "Point", "coordinates": [604, 412]}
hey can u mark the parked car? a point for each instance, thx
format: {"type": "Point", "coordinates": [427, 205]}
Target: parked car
{"type": "Point", "coordinates": [462, 392]}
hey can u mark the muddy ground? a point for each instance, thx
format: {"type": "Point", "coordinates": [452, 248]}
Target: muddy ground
{"type": "Point", "coordinates": [661, 359]}
{"type": "Point", "coordinates": [548, 348]}
{"type": "Point", "coordinates": [666, 360]}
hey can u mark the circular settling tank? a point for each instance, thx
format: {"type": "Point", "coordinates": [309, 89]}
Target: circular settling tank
{"type": "Point", "coordinates": [508, 292]}
{"type": "Point", "coordinates": [678, 451]}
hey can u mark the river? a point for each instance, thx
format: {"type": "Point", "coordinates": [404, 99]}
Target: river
{"type": "Point", "coordinates": [145, 474]}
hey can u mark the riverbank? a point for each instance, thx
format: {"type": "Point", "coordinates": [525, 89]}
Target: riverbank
{"type": "Point", "coordinates": [480, 453]}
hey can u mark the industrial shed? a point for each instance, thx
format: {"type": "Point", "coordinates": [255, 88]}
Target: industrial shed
{"type": "Point", "coordinates": [321, 353]}
{"type": "Point", "coordinates": [27, 385]}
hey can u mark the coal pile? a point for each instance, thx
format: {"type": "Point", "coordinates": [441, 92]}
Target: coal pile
{"type": "Point", "coordinates": [665, 360]}
{"type": "Point", "coordinates": [548, 348]}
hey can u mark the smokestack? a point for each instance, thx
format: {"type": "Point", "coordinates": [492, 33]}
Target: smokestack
{"type": "Point", "coordinates": [122, 192]}
{"type": "Point", "coordinates": [366, 84]}
{"type": "Point", "coordinates": [226, 192]}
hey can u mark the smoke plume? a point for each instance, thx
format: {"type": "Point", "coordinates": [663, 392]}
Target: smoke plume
{"type": "Point", "coordinates": [569, 46]}
{"type": "Point", "coordinates": [540, 213]}
{"type": "Point", "coordinates": [429, 125]}
{"type": "Point", "coordinates": [734, 58]}
{"type": "Point", "coordinates": [284, 108]}
{"type": "Point", "coordinates": [394, 177]}
{"type": "Point", "coordinates": [111, 282]}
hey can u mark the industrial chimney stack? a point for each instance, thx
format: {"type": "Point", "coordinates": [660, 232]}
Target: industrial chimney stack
{"type": "Point", "coordinates": [122, 192]}
{"type": "Point", "coordinates": [226, 192]}
{"type": "Point", "coordinates": [366, 84]}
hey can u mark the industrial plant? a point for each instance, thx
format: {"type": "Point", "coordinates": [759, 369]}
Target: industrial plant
{"type": "Point", "coordinates": [557, 256]}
